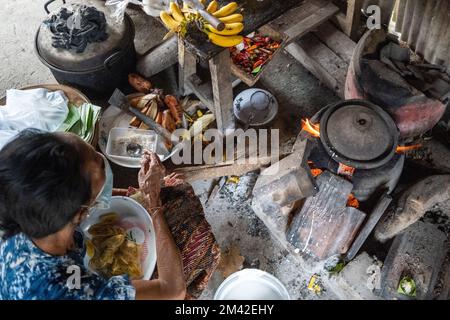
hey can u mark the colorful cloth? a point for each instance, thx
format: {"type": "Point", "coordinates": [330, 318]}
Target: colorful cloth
{"type": "Point", "coordinates": [200, 252]}
{"type": "Point", "coordinates": [28, 273]}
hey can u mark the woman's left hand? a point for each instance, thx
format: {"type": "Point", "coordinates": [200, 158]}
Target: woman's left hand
{"type": "Point", "coordinates": [149, 178]}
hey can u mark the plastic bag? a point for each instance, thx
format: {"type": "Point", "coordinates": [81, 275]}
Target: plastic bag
{"type": "Point", "coordinates": [38, 108]}
{"type": "Point", "coordinates": [117, 8]}
{"type": "Point", "coordinates": [150, 7]}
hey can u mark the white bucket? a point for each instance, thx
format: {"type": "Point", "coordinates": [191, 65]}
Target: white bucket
{"type": "Point", "coordinates": [251, 284]}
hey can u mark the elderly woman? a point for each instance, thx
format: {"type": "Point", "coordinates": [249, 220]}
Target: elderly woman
{"type": "Point", "coordinates": [48, 184]}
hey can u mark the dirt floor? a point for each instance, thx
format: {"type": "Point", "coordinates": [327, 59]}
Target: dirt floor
{"type": "Point", "coordinates": [233, 222]}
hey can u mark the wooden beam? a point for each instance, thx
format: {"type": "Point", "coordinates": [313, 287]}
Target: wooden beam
{"type": "Point", "coordinates": [350, 22]}
{"type": "Point", "coordinates": [187, 67]}
{"type": "Point", "coordinates": [220, 66]}
{"type": "Point", "coordinates": [321, 61]}
{"type": "Point", "coordinates": [336, 40]}
{"type": "Point", "coordinates": [298, 21]}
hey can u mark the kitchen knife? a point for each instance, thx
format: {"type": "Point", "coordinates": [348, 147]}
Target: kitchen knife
{"type": "Point", "coordinates": [119, 100]}
{"type": "Point", "coordinates": [197, 5]}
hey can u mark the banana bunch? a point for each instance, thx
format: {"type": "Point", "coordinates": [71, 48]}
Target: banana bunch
{"type": "Point", "coordinates": [177, 19]}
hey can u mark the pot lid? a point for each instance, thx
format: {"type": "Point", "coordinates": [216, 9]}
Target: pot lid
{"type": "Point", "coordinates": [108, 37]}
{"type": "Point", "coordinates": [359, 134]}
{"type": "Point", "coordinates": [255, 107]}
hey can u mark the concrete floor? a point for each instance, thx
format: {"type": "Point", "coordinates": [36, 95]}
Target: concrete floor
{"type": "Point", "coordinates": [232, 220]}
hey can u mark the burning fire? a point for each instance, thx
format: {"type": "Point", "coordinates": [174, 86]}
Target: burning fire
{"type": "Point", "coordinates": [403, 149]}
{"type": "Point", "coordinates": [311, 128]}
{"type": "Point", "coordinates": [314, 130]}
{"type": "Point", "coordinates": [352, 201]}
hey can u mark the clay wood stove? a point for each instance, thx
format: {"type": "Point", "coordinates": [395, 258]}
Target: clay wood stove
{"type": "Point", "coordinates": [358, 140]}
{"type": "Point", "coordinates": [352, 152]}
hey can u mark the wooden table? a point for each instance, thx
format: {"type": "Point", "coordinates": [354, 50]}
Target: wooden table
{"type": "Point", "coordinates": [217, 95]}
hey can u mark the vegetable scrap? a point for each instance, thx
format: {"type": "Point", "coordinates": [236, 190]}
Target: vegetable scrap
{"type": "Point", "coordinates": [167, 110]}
{"type": "Point", "coordinates": [314, 284]}
{"type": "Point", "coordinates": [254, 52]}
{"type": "Point", "coordinates": [407, 287]}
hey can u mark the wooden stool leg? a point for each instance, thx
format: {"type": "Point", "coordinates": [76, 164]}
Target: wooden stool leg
{"type": "Point", "coordinates": [222, 90]}
{"type": "Point", "coordinates": [187, 67]}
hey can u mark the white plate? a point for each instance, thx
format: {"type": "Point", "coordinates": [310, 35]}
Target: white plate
{"type": "Point", "coordinates": [114, 117]}
{"type": "Point", "coordinates": [140, 224]}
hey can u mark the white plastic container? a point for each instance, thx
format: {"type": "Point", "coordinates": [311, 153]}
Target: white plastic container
{"type": "Point", "coordinates": [138, 222]}
{"type": "Point", "coordinates": [251, 284]}
{"type": "Point", "coordinates": [120, 138]}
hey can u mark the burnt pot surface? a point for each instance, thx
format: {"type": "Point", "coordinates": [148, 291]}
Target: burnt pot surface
{"type": "Point", "coordinates": [358, 134]}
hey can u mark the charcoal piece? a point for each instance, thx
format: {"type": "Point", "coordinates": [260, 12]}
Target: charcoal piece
{"type": "Point", "coordinates": [75, 27]}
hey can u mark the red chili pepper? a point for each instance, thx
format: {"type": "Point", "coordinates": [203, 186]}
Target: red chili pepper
{"type": "Point", "coordinates": [258, 63]}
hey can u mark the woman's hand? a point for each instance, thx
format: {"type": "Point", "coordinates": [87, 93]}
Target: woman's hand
{"type": "Point", "coordinates": [150, 177]}
{"type": "Point", "coordinates": [173, 179]}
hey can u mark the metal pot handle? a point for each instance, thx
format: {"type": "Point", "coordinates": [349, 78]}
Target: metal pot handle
{"type": "Point", "coordinates": [50, 2]}
{"type": "Point", "coordinates": [108, 60]}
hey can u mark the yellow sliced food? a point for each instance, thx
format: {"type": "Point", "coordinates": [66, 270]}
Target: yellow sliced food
{"type": "Point", "coordinates": [212, 6]}
{"type": "Point", "coordinates": [236, 17]}
{"type": "Point", "coordinates": [176, 12]}
{"type": "Point", "coordinates": [226, 10]}
{"type": "Point", "coordinates": [169, 21]}
{"type": "Point", "coordinates": [90, 249]}
{"type": "Point", "coordinates": [231, 29]}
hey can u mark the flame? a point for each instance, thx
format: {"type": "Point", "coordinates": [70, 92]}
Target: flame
{"type": "Point", "coordinates": [403, 149]}
{"type": "Point", "coordinates": [352, 201]}
{"type": "Point", "coordinates": [311, 128]}
{"type": "Point", "coordinates": [316, 172]}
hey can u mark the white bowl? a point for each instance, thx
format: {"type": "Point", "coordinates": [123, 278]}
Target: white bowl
{"type": "Point", "coordinates": [117, 134]}
{"type": "Point", "coordinates": [251, 284]}
{"type": "Point", "coordinates": [130, 212]}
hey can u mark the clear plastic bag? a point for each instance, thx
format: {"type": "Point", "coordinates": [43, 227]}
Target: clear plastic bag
{"type": "Point", "coordinates": [37, 108]}
{"type": "Point", "coordinates": [117, 8]}
{"type": "Point", "coordinates": [151, 7]}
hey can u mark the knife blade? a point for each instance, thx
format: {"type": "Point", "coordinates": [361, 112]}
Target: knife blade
{"type": "Point", "coordinates": [119, 100]}
{"type": "Point", "coordinates": [197, 5]}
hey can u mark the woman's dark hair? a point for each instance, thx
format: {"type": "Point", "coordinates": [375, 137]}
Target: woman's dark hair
{"type": "Point", "coordinates": [42, 186]}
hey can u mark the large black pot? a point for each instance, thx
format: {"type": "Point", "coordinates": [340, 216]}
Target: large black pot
{"type": "Point", "coordinates": [100, 74]}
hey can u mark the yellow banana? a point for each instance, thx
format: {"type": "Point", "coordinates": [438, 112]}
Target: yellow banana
{"type": "Point", "coordinates": [224, 41]}
{"type": "Point", "coordinates": [226, 10]}
{"type": "Point", "coordinates": [169, 21]}
{"type": "Point", "coordinates": [237, 17]}
{"type": "Point", "coordinates": [212, 6]}
{"type": "Point", "coordinates": [176, 12]}
{"type": "Point", "coordinates": [231, 29]}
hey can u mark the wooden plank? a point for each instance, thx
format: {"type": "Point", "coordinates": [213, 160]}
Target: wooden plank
{"type": "Point", "coordinates": [301, 20]}
{"type": "Point", "coordinates": [336, 40]}
{"type": "Point", "coordinates": [374, 217]}
{"type": "Point", "coordinates": [256, 14]}
{"type": "Point", "coordinates": [352, 19]}
{"type": "Point", "coordinates": [196, 173]}
{"type": "Point", "coordinates": [203, 92]}
{"type": "Point", "coordinates": [187, 67]}
{"type": "Point", "coordinates": [321, 62]}
{"type": "Point", "coordinates": [220, 66]}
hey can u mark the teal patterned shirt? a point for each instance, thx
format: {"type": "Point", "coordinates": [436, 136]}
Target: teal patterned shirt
{"type": "Point", "coordinates": [28, 273]}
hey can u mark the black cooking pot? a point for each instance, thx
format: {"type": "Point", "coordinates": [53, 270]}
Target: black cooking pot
{"type": "Point", "coordinates": [102, 67]}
